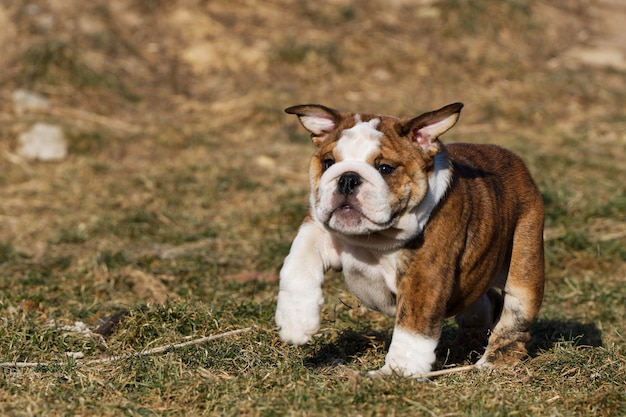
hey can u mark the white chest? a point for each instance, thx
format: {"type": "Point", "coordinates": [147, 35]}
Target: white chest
{"type": "Point", "coordinates": [371, 277]}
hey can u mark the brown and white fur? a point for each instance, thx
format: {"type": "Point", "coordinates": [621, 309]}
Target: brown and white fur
{"type": "Point", "coordinates": [421, 231]}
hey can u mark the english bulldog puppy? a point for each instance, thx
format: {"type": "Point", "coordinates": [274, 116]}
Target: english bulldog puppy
{"type": "Point", "coordinates": [421, 231]}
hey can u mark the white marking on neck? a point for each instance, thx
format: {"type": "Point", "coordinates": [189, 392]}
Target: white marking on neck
{"type": "Point", "coordinates": [413, 223]}
{"type": "Point", "coordinates": [361, 141]}
{"type": "Point", "coordinates": [438, 185]}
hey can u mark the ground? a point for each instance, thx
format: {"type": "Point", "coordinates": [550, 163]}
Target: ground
{"type": "Point", "coordinates": [185, 183]}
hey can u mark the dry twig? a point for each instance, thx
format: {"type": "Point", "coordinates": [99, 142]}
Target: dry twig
{"type": "Point", "coordinates": [108, 359]}
{"type": "Point", "coordinates": [447, 371]}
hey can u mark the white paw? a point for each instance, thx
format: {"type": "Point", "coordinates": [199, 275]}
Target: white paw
{"type": "Point", "coordinates": [483, 363]}
{"type": "Point", "coordinates": [406, 370]}
{"type": "Point", "coordinates": [410, 355]}
{"type": "Point", "coordinates": [401, 371]}
{"type": "Point", "coordinates": [298, 315]}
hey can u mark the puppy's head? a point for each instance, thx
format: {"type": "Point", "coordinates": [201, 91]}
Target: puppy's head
{"type": "Point", "coordinates": [370, 171]}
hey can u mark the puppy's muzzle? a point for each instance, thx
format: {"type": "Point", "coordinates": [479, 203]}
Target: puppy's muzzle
{"type": "Point", "coordinates": [348, 183]}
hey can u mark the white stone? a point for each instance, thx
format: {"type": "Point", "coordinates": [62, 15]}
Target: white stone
{"type": "Point", "coordinates": [42, 142]}
{"type": "Point", "coordinates": [25, 100]}
{"type": "Point", "coordinates": [75, 355]}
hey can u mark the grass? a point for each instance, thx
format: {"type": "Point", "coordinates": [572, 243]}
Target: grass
{"type": "Point", "coordinates": [184, 188]}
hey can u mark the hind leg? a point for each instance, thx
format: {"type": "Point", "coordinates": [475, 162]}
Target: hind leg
{"type": "Point", "coordinates": [523, 294]}
{"type": "Point", "coordinates": [477, 322]}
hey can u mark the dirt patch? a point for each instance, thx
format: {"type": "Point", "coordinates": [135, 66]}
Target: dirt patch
{"type": "Point", "coordinates": [602, 40]}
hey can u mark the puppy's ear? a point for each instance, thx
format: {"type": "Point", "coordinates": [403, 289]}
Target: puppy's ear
{"type": "Point", "coordinates": [317, 119]}
{"type": "Point", "coordinates": [425, 129]}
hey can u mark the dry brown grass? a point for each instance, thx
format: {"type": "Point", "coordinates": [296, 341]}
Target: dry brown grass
{"type": "Point", "coordinates": [186, 182]}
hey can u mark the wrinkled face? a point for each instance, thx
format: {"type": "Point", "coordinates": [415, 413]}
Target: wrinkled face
{"type": "Point", "coordinates": [366, 177]}
{"type": "Point", "coordinates": [376, 179]}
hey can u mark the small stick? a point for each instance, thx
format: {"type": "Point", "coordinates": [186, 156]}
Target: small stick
{"type": "Point", "coordinates": [446, 371]}
{"type": "Point", "coordinates": [108, 359]}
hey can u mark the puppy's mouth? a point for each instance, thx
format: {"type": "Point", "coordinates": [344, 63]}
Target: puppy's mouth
{"type": "Point", "coordinates": [347, 209]}
{"type": "Point", "coordinates": [348, 216]}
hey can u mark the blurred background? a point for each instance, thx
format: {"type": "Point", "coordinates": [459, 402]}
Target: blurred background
{"type": "Point", "coordinates": [150, 181]}
{"type": "Point", "coordinates": [143, 142]}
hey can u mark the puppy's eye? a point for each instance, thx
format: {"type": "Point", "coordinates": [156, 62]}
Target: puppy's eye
{"type": "Point", "coordinates": [385, 169]}
{"type": "Point", "coordinates": [327, 163]}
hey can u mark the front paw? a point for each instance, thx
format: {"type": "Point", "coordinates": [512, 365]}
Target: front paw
{"type": "Point", "coordinates": [410, 355]}
{"type": "Point", "coordinates": [415, 370]}
{"type": "Point", "coordinates": [298, 315]}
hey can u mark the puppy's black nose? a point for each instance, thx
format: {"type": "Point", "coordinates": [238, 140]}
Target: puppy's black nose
{"type": "Point", "coordinates": [348, 182]}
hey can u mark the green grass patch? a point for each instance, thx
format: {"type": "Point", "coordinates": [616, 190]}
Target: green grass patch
{"type": "Point", "coordinates": [186, 183]}
{"type": "Point", "coordinates": [59, 62]}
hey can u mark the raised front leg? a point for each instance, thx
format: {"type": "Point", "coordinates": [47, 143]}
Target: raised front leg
{"type": "Point", "coordinates": [300, 296]}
